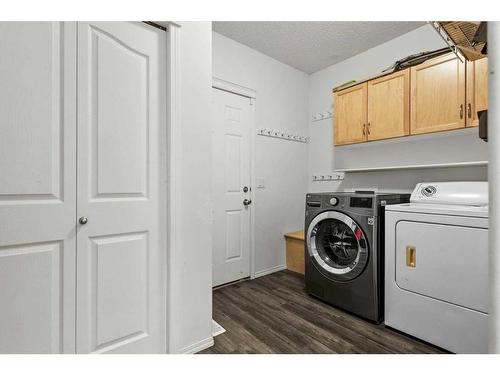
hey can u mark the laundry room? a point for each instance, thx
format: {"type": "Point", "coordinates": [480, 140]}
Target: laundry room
{"type": "Point", "coordinates": [359, 135]}
{"type": "Point", "coordinates": [250, 185]}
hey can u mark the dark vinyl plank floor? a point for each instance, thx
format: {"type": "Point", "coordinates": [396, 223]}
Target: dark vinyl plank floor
{"type": "Point", "coordinates": [274, 314]}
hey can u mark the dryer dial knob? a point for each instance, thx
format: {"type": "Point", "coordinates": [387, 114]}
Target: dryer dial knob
{"type": "Point", "coordinates": [334, 201]}
{"type": "Point", "coordinates": [429, 190]}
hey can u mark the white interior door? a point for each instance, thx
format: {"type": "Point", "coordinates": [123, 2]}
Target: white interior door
{"type": "Point", "coordinates": [231, 175]}
{"type": "Point", "coordinates": [121, 275]}
{"type": "Point", "coordinates": [37, 187]}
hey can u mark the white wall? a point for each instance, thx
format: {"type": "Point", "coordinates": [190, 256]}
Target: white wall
{"type": "Point", "coordinates": [190, 279]}
{"type": "Point", "coordinates": [438, 148]}
{"type": "Point", "coordinates": [282, 104]}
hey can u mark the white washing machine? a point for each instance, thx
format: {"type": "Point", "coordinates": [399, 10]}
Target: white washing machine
{"type": "Point", "coordinates": [436, 265]}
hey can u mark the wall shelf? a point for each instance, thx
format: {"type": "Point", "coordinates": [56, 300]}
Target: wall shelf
{"type": "Point", "coordinates": [419, 166]}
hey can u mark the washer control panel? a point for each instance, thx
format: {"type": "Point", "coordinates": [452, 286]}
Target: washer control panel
{"type": "Point", "coordinates": [334, 201]}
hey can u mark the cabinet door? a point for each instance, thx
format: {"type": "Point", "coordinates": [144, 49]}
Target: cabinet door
{"type": "Point", "coordinates": [437, 95]}
{"type": "Point", "coordinates": [477, 89]}
{"type": "Point", "coordinates": [350, 115]}
{"type": "Point", "coordinates": [388, 106]}
{"type": "Point", "coordinates": [37, 187]}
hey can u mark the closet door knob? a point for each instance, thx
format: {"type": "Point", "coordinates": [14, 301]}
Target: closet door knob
{"type": "Point", "coordinates": [83, 220]}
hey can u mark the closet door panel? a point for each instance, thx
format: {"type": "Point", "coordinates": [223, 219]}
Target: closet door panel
{"type": "Point", "coordinates": [121, 289]}
{"type": "Point", "coordinates": [37, 187]}
{"type": "Point", "coordinates": [120, 119]}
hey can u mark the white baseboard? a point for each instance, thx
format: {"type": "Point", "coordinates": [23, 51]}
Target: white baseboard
{"type": "Point", "coordinates": [270, 270]}
{"type": "Point", "coordinates": [198, 346]}
{"type": "Point", "coordinates": [217, 329]}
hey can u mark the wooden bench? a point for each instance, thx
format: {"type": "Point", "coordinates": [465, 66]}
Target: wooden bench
{"type": "Point", "coordinates": [295, 251]}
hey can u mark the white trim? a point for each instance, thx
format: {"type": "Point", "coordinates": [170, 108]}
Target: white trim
{"type": "Point", "coordinates": [174, 153]}
{"type": "Point", "coordinates": [419, 166]}
{"type": "Point", "coordinates": [253, 185]}
{"type": "Point", "coordinates": [494, 186]}
{"type": "Point", "coordinates": [217, 329]}
{"type": "Point", "coordinates": [268, 271]}
{"type": "Point", "coordinates": [234, 88]}
{"type": "Point", "coordinates": [168, 24]}
{"type": "Point", "coordinates": [221, 84]}
{"type": "Point", "coordinates": [198, 346]}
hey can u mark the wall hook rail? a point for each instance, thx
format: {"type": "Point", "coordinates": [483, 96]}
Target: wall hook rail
{"type": "Point", "coordinates": [283, 135]}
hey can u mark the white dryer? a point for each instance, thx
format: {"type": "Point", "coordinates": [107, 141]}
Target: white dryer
{"type": "Point", "coordinates": [436, 265]}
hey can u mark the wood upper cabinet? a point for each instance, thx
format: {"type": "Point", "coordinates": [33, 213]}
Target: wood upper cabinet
{"type": "Point", "coordinates": [438, 95]}
{"type": "Point", "coordinates": [350, 115]}
{"type": "Point", "coordinates": [477, 89]}
{"type": "Point", "coordinates": [389, 106]}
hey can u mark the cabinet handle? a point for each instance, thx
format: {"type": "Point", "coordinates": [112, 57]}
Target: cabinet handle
{"type": "Point", "coordinates": [461, 111]}
{"type": "Point", "coordinates": [469, 110]}
{"type": "Point", "coordinates": [364, 129]}
{"type": "Point", "coordinates": [368, 129]}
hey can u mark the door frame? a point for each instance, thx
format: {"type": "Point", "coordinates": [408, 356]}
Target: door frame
{"type": "Point", "coordinates": [234, 88]}
{"type": "Point", "coordinates": [174, 153]}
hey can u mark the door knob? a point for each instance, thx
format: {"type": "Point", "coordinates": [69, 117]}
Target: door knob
{"type": "Point", "coordinates": [247, 202]}
{"type": "Point", "coordinates": [83, 220]}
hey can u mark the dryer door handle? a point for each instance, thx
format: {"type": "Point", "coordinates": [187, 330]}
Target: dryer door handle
{"type": "Point", "coordinates": [411, 256]}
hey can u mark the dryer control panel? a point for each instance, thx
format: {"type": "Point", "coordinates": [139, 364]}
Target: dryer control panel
{"type": "Point", "coordinates": [466, 193]}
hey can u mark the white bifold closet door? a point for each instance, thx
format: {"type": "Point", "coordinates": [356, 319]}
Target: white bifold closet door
{"type": "Point", "coordinates": [121, 296]}
{"type": "Point", "coordinates": [37, 187]}
{"type": "Point", "coordinates": [82, 134]}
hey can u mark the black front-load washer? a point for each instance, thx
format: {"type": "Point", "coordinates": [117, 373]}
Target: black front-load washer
{"type": "Point", "coordinates": [344, 246]}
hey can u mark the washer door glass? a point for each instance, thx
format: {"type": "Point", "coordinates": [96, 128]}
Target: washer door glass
{"type": "Point", "coordinates": [338, 245]}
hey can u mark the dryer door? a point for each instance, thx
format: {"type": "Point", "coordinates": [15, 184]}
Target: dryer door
{"type": "Point", "coordinates": [448, 262]}
{"type": "Point", "coordinates": [338, 245]}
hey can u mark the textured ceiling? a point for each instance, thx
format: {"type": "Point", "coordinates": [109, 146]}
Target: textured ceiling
{"type": "Point", "coordinates": [312, 46]}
